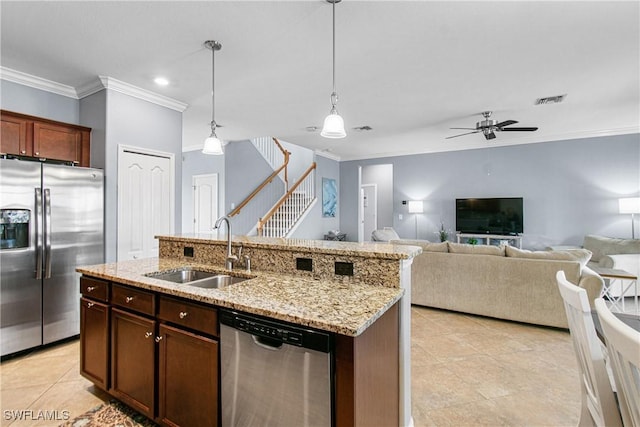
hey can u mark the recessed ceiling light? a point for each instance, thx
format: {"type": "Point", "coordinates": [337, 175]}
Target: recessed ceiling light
{"type": "Point", "coordinates": [161, 81]}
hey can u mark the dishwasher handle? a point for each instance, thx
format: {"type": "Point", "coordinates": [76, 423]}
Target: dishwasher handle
{"type": "Point", "coordinates": [267, 343]}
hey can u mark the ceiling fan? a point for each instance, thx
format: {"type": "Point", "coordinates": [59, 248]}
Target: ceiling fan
{"type": "Point", "coordinates": [488, 127]}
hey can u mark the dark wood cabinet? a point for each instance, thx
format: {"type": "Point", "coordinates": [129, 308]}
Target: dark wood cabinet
{"type": "Point", "coordinates": [367, 374]}
{"type": "Point", "coordinates": [158, 354]}
{"type": "Point", "coordinates": [94, 342]}
{"type": "Point", "coordinates": [188, 378]}
{"type": "Point", "coordinates": [29, 136]}
{"type": "Point", "coordinates": [133, 348]}
{"type": "Point", "coordinates": [14, 135]}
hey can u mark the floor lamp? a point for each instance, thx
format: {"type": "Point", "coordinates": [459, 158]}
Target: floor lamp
{"type": "Point", "coordinates": [416, 207]}
{"type": "Point", "coordinates": [629, 205]}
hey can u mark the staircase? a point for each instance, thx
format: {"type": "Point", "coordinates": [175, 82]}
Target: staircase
{"type": "Point", "coordinates": [287, 213]}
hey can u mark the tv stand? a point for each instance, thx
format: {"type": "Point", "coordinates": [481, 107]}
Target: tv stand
{"type": "Point", "coordinates": [486, 239]}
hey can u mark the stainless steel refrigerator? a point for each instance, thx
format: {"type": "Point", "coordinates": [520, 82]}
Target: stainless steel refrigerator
{"type": "Point", "coordinates": [51, 220]}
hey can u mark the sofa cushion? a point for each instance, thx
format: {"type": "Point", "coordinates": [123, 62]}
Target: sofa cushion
{"type": "Point", "coordinates": [465, 248]}
{"type": "Point", "coordinates": [384, 235]}
{"type": "Point", "coordinates": [580, 255]}
{"type": "Point", "coordinates": [601, 246]}
{"type": "Point", "coordinates": [426, 245]}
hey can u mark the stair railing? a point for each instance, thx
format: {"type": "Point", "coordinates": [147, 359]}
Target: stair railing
{"type": "Point", "coordinates": [267, 181]}
{"type": "Point", "coordinates": [297, 205]}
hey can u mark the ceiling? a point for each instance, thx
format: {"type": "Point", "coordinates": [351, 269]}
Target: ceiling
{"type": "Point", "coordinates": [408, 69]}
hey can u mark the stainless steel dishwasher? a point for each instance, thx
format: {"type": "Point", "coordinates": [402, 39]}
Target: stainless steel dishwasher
{"type": "Point", "coordinates": [274, 373]}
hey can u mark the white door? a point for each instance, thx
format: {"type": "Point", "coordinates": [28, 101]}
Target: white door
{"type": "Point", "coordinates": [145, 201]}
{"type": "Point", "coordinates": [369, 202]}
{"type": "Point", "coordinates": [205, 202]}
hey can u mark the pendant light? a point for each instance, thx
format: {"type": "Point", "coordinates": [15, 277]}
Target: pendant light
{"type": "Point", "coordinates": [333, 123]}
{"type": "Point", "coordinates": [213, 145]}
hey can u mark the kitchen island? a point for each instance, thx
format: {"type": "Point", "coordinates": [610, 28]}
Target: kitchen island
{"type": "Point", "coordinates": [354, 291]}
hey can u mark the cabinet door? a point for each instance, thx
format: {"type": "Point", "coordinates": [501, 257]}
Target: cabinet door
{"type": "Point", "coordinates": [14, 136]}
{"type": "Point", "coordinates": [188, 379]}
{"type": "Point", "coordinates": [133, 360]}
{"type": "Point", "coordinates": [94, 342]}
{"type": "Point", "coordinates": [57, 142]}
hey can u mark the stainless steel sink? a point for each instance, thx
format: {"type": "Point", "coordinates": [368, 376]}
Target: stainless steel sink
{"type": "Point", "coordinates": [217, 281]}
{"type": "Point", "coordinates": [197, 278]}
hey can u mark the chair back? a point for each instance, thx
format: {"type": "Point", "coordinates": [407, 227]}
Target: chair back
{"type": "Point", "coordinates": [598, 400]}
{"type": "Point", "coordinates": [623, 344]}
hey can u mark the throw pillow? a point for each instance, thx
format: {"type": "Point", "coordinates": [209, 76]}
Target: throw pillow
{"type": "Point", "coordinates": [601, 246]}
{"type": "Point", "coordinates": [384, 235]}
{"type": "Point", "coordinates": [580, 255]}
{"type": "Point", "coordinates": [465, 248]}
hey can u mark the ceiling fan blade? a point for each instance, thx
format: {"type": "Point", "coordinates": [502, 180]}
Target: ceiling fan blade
{"type": "Point", "coordinates": [518, 129]}
{"type": "Point", "coordinates": [490, 135]}
{"type": "Point", "coordinates": [506, 123]}
{"type": "Point", "coordinates": [464, 128]}
{"type": "Point", "coordinates": [462, 134]}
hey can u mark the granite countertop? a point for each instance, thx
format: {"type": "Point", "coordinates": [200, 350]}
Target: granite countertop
{"type": "Point", "coordinates": [366, 249]}
{"type": "Point", "coordinates": [332, 305]}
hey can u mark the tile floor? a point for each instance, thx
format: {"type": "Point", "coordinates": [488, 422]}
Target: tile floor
{"type": "Point", "coordinates": [466, 371]}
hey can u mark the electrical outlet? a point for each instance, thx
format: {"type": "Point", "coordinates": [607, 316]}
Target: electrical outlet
{"type": "Point", "coordinates": [400, 217]}
{"type": "Point", "coordinates": [343, 268]}
{"type": "Point", "coordinates": [304, 264]}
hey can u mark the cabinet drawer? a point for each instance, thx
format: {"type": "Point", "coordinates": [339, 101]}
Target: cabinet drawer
{"type": "Point", "coordinates": [190, 315]}
{"type": "Point", "coordinates": [94, 288]}
{"type": "Point", "coordinates": [133, 299]}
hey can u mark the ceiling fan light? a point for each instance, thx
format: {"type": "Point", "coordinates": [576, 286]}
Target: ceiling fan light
{"type": "Point", "coordinates": [333, 126]}
{"type": "Point", "coordinates": [213, 146]}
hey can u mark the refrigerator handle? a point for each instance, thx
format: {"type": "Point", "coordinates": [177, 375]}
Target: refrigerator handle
{"type": "Point", "coordinates": [38, 209]}
{"type": "Point", "coordinates": [47, 234]}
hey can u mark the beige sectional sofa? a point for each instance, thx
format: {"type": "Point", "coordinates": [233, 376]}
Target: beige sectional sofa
{"type": "Point", "coordinates": [497, 281]}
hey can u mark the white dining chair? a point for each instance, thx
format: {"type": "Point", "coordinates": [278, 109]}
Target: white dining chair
{"type": "Point", "coordinates": [598, 400]}
{"type": "Point", "coordinates": [623, 345]}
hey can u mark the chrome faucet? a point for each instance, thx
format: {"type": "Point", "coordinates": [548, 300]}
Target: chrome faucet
{"type": "Point", "coordinates": [228, 264]}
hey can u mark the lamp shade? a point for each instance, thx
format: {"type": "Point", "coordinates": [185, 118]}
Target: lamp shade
{"type": "Point", "coordinates": [333, 126]}
{"type": "Point", "coordinates": [212, 145]}
{"type": "Point", "coordinates": [629, 205]}
{"type": "Point", "coordinates": [416, 206]}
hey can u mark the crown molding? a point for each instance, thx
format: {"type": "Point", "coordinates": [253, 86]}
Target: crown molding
{"type": "Point", "coordinates": [327, 154]}
{"type": "Point", "coordinates": [37, 82]}
{"type": "Point", "coordinates": [90, 88]}
{"type": "Point", "coordinates": [192, 148]}
{"type": "Point", "coordinates": [119, 86]}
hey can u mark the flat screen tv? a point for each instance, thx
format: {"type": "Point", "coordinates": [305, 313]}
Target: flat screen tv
{"type": "Point", "coordinates": [490, 216]}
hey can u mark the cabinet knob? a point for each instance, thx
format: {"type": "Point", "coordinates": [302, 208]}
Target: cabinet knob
{"type": "Point", "coordinates": [23, 152]}
{"type": "Point", "coordinates": [158, 339]}
{"type": "Point", "coordinates": [148, 334]}
{"type": "Point", "coordinates": [128, 299]}
{"type": "Point", "coordinates": [183, 314]}
{"type": "Point", "coordinates": [90, 288]}
{"type": "Point", "coordinates": [90, 304]}
{"type": "Point", "coordinates": [37, 153]}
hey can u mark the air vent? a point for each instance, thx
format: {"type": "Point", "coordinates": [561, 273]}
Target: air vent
{"type": "Point", "coordinates": [363, 128]}
{"type": "Point", "coordinates": [551, 99]}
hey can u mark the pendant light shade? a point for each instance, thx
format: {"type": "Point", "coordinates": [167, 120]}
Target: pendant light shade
{"type": "Point", "coordinates": [333, 123]}
{"type": "Point", "coordinates": [213, 145]}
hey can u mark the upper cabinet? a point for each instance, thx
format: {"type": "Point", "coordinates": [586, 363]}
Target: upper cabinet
{"type": "Point", "coordinates": [30, 136]}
